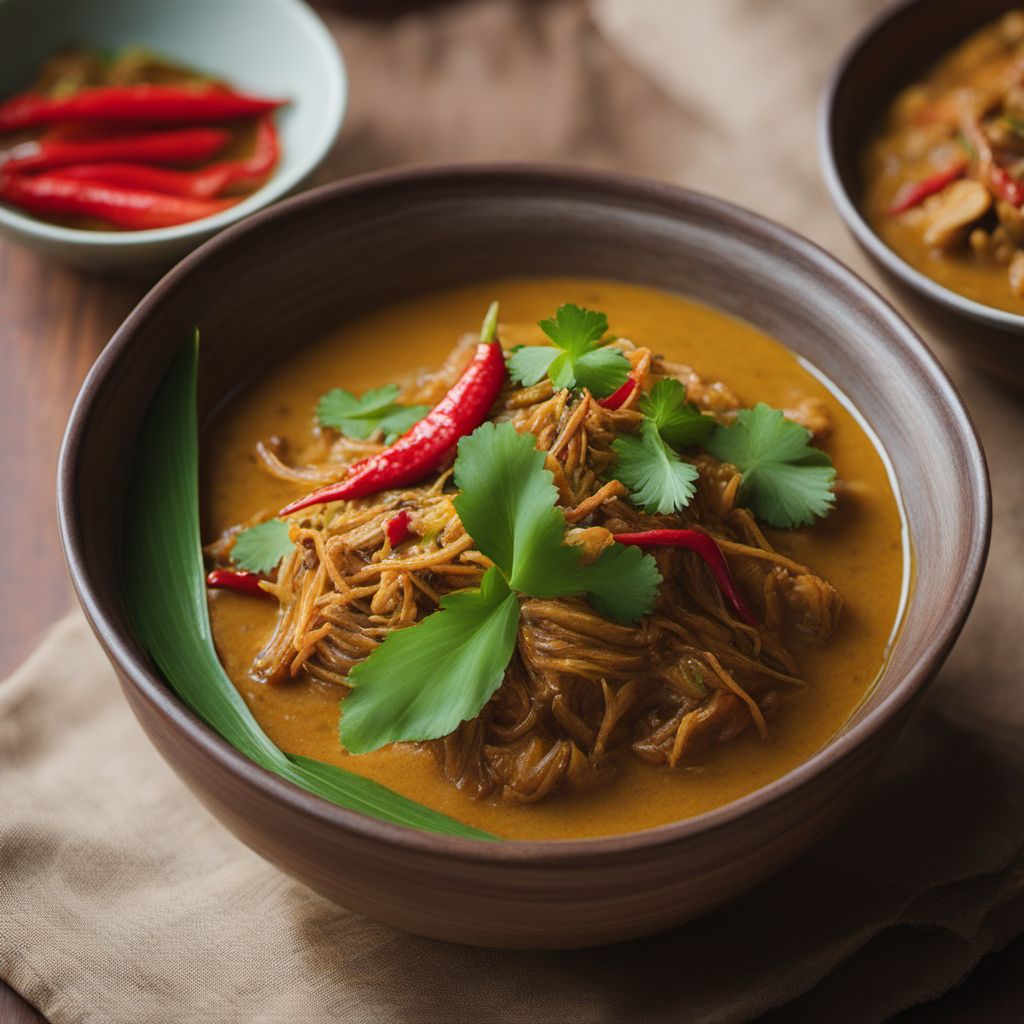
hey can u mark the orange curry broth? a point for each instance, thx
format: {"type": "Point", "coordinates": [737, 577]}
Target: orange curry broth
{"type": "Point", "coordinates": [859, 549]}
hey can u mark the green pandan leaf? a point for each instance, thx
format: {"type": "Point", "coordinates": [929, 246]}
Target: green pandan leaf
{"type": "Point", "coordinates": [166, 594]}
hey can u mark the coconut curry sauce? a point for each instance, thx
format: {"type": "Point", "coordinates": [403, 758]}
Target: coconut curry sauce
{"type": "Point", "coordinates": [944, 178]}
{"type": "Point", "coordinates": [859, 549]}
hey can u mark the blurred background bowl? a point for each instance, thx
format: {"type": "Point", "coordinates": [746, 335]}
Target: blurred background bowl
{"type": "Point", "coordinates": [893, 50]}
{"type": "Point", "coordinates": [288, 275]}
{"type": "Point", "coordinates": [275, 48]}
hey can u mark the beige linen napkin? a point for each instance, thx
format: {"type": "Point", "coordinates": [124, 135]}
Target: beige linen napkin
{"type": "Point", "coordinates": [122, 900]}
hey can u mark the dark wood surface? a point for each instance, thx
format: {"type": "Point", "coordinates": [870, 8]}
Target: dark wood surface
{"type": "Point", "coordinates": [54, 321]}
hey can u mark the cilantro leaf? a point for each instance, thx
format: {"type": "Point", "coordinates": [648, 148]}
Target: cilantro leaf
{"type": "Point", "coordinates": [508, 505]}
{"type": "Point", "coordinates": [361, 417]}
{"type": "Point", "coordinates": [602, 371]}
{"type": "Point", "coordinates": [679, 422]}
{"type": "Point", "coordinates": [529, 364]}
{"type": "Point", "coordinates": [659, 481]}
{"type": "Point", "coordinates": [785, 480]}
{"type": "Point", "coordinates": [261, 547]}
{"type": "Point", "coordinates": [581, 363]}
{"type": "Point", "coordinates": [425, 679]}
{"type": "Point", "coordinates": [623, 583]}
{"type": "Point", "coordinates": [575, 329]}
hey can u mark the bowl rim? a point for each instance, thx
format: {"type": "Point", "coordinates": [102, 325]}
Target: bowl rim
{"type": "Point", "coordinates": [278, 185]}
{"type": "Point", "coordinates": [603, 186]}
{"type": "Point", "coordinates": [849, 209]}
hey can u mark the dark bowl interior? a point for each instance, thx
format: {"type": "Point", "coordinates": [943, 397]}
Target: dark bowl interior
{"type": "Point", "coordinates": [890, 53]}
{"type": "Point", "coordinates": [291, 273]}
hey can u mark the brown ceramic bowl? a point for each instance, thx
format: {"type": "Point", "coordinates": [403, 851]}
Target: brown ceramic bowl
{"type": "Point", "coordinates": [288, 274]}
{"type": "Point", "coordinates": [890, 53]}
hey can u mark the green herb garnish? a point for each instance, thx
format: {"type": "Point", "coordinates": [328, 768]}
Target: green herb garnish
{"type": "Point", "coordinates": [575, 359]}
{"type": "Point", "coordinates": [426, 679]}
{"type": "Point", "coordinates": [658, 480]}
{"type": "Point", "coordinates": [785, 480]}
{"type": "Point", "coordinates": [374, 411]}
{"type": "Point", "coordinates": [679, 422]}
{"type": "Point", "coordinates": [422, 681]}
{"type": "Point", "coordinates": [261, 547]}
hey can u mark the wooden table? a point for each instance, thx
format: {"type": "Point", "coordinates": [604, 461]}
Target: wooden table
{"type": "Point", "coordinates": [54, 321]}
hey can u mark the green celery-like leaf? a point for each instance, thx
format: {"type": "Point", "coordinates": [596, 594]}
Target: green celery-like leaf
{"type": "Point", "coordinates": [785, 480]}
{"type": "Point", "coordinates": [261, 547]}
{"type": "Point", "coordinates": [363, 416]}
{"type": "Point", "coordinates": [581, 363]}
{"type": "Point", "coordinates": [426, 679]}
{"type": "Point", "coordinates": [508, 505]}
{"type": "Point", "coordinates": [164, 583]}
{"type": "Point", "coordinates": [679, 422]}
{"type": "Point", "coordinates": [658, 480]}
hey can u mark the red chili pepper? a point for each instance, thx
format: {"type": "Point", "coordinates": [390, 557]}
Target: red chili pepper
{"type": "Point", "coordinates": [1005, 186]}
{"type": "Point", "coordinates": [172, 147]}
{"type": "Point", "coordinates": [914, 194]}
{"type": "Point", "coordinates": [618, 397]}
{"type": "Point", "coordinates": [399, 528]}
{"type": "Point", "coordinates": [142, 103]}
{"type": "Point", "coordinates": [200, 184]}
{"type": "Point", "coordinates": [708, 550]}
{"type": "Point", "coordinates": [126, 208]}
{"type": "Point", "coordinates": [997, 178]}
{"type": "Point", "coordinates": [423, 448]}
{"type": "Point", "coordinates": [239, 580]}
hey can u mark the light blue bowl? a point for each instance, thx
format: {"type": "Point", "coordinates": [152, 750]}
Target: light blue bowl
{"type": "Point", "coordinates": [276, 48]}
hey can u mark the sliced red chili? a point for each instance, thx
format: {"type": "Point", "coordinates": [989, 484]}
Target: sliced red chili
{"type": "Point", "coordinates": [133, 209]}
{"type": "Point", "coordinates": [424, 448]}
{"type": "Point", "coordinates": [1005, 186]}
{"type": "Point", "coordinates": [141, 103]}
{"type": "Point", "coordinates": [707, 549]}
{"type": "Point", "coordinates": [238, 580]}
{"type": "Point", "coordinates": [204, 183]}
{"type": "Point", "coordinates": [618, 397]}
{"type": "Point", "coordinates": [172, 147]}
{"type": "Point", "coordinates": [913, 194]}
{"type": "Point", "coordinates": [399, 528]}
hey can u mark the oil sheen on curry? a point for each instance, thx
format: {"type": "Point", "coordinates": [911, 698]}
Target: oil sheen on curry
{"type": "Point", "coordinates": [590, 561]}
{"type": "Point", "coordinates": [945, 176]}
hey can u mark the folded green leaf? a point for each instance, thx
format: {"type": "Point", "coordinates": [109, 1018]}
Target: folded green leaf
{"type": "Point", "coordinates": [679, 422]}
{"type": "Point", "coordinates": [165, 592]}
{"type": "Point", "coordinates": [577, 360]}
{"type": "Point", "coordinates": [261, 547]}
{"type": "Point", "coordinates": [785, 480]}
{"type": "Point", "coordinates": [426, 679]}
{"type": "Point", "coordinates": [658, 480]}
{"type": "Point", "coordinates": [374, 411]}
